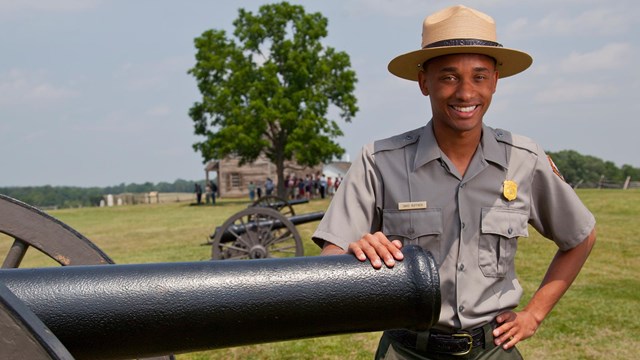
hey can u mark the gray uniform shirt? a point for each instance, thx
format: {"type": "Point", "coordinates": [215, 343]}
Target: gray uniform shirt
{"type": "Point", "coordinates": [407, 188]}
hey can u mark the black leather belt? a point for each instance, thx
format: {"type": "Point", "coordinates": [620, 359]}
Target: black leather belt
{"type": "Point", "coordinates": [459, 343]}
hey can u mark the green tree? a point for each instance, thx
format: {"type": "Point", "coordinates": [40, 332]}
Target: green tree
{"type": "Point", "coordinates": [269, 91]}
{"type": "Point", "coordinates": [628, 170]}
{"type": "Point", "coordinates": [576, 167]}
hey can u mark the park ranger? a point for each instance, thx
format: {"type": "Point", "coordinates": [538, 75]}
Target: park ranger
{"type": "Point", "coordinates": [465, 192]}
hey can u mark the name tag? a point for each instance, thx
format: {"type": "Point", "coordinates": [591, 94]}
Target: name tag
{"type": "Point", "coordinates": [414, 205]}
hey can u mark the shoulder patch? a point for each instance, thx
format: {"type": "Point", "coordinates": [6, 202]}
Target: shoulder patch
{"type": "Point", "coordinates": [555, 168]}
{"type": "Point", "coordinates": [397, 141]}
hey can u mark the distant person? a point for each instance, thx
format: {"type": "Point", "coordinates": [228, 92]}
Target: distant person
{"type": "Point", "coordinates": [259, 191]}
{"type": "Point", "coordinates": [214, 190]}
{"type": "Point", "coordinates": [315, 185]}
{"type": "Point", "coordinates": [269, 186]}
{"type": "Point", "coordinates": [198, 191]}
{"type": "Point", "coordinates": [292, 186]}
{"type": "Point", "coordinates": [208, 192]}
{"type": "Point", "coordinates": [466, 192]}
{"type": "Point", "coordinates": [287, 187]}
{"type": "Point", "coordinates": [308, 186]}
{"type": "Point", "coordinates": [322, 187]}
{"type": "Point", "coordinates": [252, 191]}
{"type": "Point", "coordinates": [336, 184]}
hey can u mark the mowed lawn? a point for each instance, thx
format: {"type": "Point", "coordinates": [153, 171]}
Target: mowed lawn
{"type": "Point", "coordinates": [596, 319]}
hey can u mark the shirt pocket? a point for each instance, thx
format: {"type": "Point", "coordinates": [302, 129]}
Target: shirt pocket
{"type": "Point", "coordinates": [420, 227]}
{"type": "Point", "coordinates": [500, 229]}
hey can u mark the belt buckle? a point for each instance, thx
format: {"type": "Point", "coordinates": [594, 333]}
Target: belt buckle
{"type": "Point", "coordinates": [470, 343]}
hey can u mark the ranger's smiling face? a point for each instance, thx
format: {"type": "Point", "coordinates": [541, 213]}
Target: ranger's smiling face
{"type": "Point", "coordinates": [461, 87]}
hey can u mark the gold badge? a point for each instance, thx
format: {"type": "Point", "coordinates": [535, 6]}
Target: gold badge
{"type": "Point", "coordinates": [510, 190]}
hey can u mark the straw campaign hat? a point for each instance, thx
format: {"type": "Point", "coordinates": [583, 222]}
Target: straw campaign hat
{"type": "Point", "coordinates": [459, 30]}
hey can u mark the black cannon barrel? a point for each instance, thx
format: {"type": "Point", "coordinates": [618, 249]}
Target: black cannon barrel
{"type": "Point", "coordinates": [144, 310]}
{"type": "Point", "coordinates": [306, 218]}
{"type": "Point", "coordinates": [297, 201]}
{"type": "Point", "coordinates": [280, 203]}
{"type": "Point", "coordinates": [231, 233]}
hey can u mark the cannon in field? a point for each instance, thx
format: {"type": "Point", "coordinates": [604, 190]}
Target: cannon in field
{"type": "Point", "coordinates": [128, 311]}
{"type": "Point", "coordinates": [150, 310]}
{"type": "Point", "coordinates": [285, 207]}
{"type": "Point", "coordinates": [257, 233]}
{"type": "Point", "coordinates": [262, 230]}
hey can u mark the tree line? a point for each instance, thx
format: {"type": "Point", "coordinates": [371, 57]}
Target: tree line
{"type": "Point", "coordinates": [574, 167]}
{"type": "Point", "coordinates": [590, 170]}
{"type": "Point", "coordinates": [72, 196]}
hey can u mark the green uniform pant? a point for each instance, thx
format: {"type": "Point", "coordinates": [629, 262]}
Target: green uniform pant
{"type": "Point", "coordinates": [388, 349]}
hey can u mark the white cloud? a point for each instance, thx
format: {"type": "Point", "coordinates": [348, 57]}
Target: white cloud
{"type": "Point", "coordinates": [409, 8]}
{"type": "Point", "coordinates": [602, 21]}
{"type": "Point", "coordinates": [517, 26]}
{"type": "Point", "coordinates": [572, 20]}
{"type": "Point", "coordinates": [13, 6]}
{"type": "Point", "coordinates": [153, 75]}
{"type": "Point", "coordinates": [117, 124]}
{"type": "Point", "coordinates": [395, 8]}
{"type": "Point", "coordinates": [612, 56]}
{"type": "Point", "coordinates": [564, 91]}
{"type": "Point", "coordinates": [158, 111]}
{"type": "Point", "coordinates": [18, 87]}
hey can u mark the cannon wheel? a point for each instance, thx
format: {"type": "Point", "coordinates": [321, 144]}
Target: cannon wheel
{"type": "Point", "coordinates": [275, 202]}
{"type": "Point", "coordinates": [263, 238]}
{"type": "Point", "coordinates": [31, 227]}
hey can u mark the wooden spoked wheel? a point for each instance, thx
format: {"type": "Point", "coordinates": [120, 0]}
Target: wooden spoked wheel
{"type": "Point", "coordinates": [32, 228]}
{"type": "Point", "coordinates": [256, 233]}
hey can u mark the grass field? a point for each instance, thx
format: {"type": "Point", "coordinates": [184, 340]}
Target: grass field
{"type": "Point", "coordinates": [596, 319]}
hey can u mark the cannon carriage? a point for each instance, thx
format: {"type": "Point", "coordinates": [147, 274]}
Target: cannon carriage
{"type": "Point", "coordinates": [283, 206]}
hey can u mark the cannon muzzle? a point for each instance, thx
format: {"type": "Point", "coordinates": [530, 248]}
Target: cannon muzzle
{"type": "Point", "coordinates": [145, 310]}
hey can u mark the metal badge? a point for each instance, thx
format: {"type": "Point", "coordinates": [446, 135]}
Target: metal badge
{"type": "Point", "coordinates": [510, 190]}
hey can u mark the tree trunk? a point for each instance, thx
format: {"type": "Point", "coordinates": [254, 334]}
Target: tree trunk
{"type": "Point", "coordinates": [281, 179]}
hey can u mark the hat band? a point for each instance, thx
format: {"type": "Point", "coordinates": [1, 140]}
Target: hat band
{"type": "Point", "coordinates": [462, 42]}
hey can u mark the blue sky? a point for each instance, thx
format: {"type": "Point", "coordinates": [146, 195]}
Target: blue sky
{"type": "Point", "coordinates": [96, 92]}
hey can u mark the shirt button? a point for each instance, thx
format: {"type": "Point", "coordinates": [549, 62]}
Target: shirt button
{"type": "Point", "coordinates": [461, 267]}
{"type": "Point", "coordinates": [411, 231]}
{"type": "Point", "coordinates": [460, 308]}
{"type": "Point", "coordinates": [510, 231]}
{"type": "Point", "coordinates": [463, 225]}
